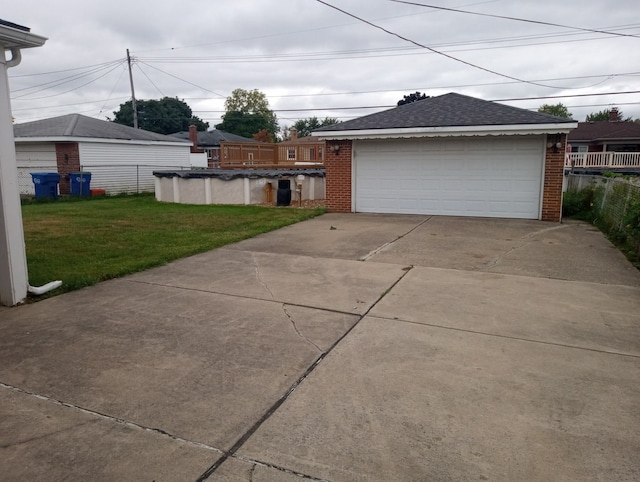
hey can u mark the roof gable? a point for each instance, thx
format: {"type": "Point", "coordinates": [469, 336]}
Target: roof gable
{"type": "Point", "coordinates": [603, 131]}
{"type": "Point", "coordinates": [448, 110]}
{"type": "Point", "coordinates": [79, 126]}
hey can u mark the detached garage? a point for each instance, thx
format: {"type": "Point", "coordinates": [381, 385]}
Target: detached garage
{"type": "Point", "coordinates": [120, 158]}
{"type": "Point", "coordinates": [449, 155]}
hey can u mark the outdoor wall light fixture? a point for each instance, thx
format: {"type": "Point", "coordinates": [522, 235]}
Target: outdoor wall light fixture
{"type": "Point", "coordinates": [554, 143]}
{"type": "Point", "coordinates": [334, 148]}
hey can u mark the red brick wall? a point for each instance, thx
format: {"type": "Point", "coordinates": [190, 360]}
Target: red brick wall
{"type": "Point", "coordinates": [553, 177]}
{"type": "Point", "coordinates": [338, 177]}
{"type": "Point", "coordinates": [68, 160]}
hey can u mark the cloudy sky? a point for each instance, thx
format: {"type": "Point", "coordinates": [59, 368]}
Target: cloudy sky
{"type": "Point", "coordinates": [313, 60]}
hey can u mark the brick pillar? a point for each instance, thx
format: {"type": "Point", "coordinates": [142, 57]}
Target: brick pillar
{"type": "Point", "coordinates": [68, 160]}
{"type": "Point", "coordinates": [553, 177]}
{"type": "Point", "coordinates": [338, 176]}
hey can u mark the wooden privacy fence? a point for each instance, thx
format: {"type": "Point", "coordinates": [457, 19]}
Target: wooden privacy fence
{"type": "Point", "coordinates": [248, 155]}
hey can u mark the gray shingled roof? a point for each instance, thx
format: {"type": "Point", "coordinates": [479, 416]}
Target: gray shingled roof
{"type": "Point", "coordinates": [604, 131]}
{"type": "Point", "coordinates": [77, 125]}
{"type": "Point", "coordinates": [213, 138]}
{"type": "Point", "coordinates": [447, 110]}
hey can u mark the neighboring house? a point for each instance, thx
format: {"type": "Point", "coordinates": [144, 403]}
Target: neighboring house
{"type": "Point", "coordinates": [606, 136]}
{"type": "Point", "coordinates": [209, 142]}
{"type": "Point", "coordinates": [120, 158]}
{"type": "Point", "coordinates": [448, 155]}
{"type": "Point", "coordinates": [604, 145]}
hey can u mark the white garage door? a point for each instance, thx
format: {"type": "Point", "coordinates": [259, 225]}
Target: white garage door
{"type": "Point", "coordinates": [489, 176]}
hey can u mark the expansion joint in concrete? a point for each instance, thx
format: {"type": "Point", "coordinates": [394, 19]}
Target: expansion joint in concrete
{"type": "Point", "coordinates": [110, 418]}
{"type": "Point", "coordinates": [231, 453]}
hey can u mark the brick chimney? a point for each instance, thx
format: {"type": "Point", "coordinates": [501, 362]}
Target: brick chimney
{"type": "Point", "coordinates": [293, 132]}
{"type": "Point", "coordinates": [193, 137]}
{"type": "Point", "coordinates": [613, 115]}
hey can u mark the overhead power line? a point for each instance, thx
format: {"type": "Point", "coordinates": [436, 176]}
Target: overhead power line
{"type": "Point", "coordinates": [394, 105]}
{"type": "Point", "coordinates": [431, 49]}
{"type": "Point", "coordinates": [181, 79]}
{"type": "Point", "coordinates": [457, 10]}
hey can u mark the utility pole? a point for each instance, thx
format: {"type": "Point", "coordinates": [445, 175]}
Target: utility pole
{"type": "Point", "coordinates": [133, 94]}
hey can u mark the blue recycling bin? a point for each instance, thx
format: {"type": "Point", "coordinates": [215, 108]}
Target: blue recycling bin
{"type": "Point", "coordinates": [80, 183]}
{"type": "Point", "coordinates": [46, 184]}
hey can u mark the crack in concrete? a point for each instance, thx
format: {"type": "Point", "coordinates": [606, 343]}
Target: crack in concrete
{"type": "Point", "coordinates": [110, 418]}
{"type": "Point", "coordinates": [256, 463]}
{"type": "Point", "coordinates": [541, 231]}
{"type": "Point", "coordinates": [523, 242]}
{"type": "Point", "coordinates": [253, 469]}
{"type": "Point", "coordinates": [295, 327]}
{"type": "Point", "coordinates": [257, 267]}
{"type": "Point", "coordinates": [385, 245]}
{"type": "Point", "coordinates": [493, 263]}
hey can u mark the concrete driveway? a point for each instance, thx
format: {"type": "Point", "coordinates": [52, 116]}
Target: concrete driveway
{"type": "Point", "coordinates": [344, 348]}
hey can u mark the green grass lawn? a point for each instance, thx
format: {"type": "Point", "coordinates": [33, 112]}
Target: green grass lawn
{"type": "Point", "coordinates": [88, 241]}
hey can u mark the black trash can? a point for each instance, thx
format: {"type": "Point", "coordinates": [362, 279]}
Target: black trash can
{"type": "Point", "coordinates": [284, 192]}
{"type": "Point", "coordinates": [80, 183]}
{"type": "Point", "coordinates": [45, 184]}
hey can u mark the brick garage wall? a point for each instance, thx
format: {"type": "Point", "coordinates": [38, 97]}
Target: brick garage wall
{"type": "Point", "coordinates": [68, 160]}
{"type": "Point", "coordinates": [553, 177]}
{"type": "Point", "coordinates": [338, 171]}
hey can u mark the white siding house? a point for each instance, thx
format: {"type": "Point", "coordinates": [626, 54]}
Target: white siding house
{"type": "Point", "coordinates": [119, 158]}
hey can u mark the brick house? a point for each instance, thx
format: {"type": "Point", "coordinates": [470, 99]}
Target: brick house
{"type": "Point", "coordinates": [614, 135]}
{"type": "Point", "coordinates": [448, 155]}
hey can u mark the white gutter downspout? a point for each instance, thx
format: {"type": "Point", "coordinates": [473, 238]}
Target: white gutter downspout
{"type": "Point", "coordinates": [16, 58]}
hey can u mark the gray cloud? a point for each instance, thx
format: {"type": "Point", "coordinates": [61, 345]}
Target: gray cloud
{"type": "Point", "coordinates": [295, 50]}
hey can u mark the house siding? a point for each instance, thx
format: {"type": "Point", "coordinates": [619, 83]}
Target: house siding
{"type": "Point", "coordinates": [128, 168]}
{"type": "Point", "coordinates": [34, 157]}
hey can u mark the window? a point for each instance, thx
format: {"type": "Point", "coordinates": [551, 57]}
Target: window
{"type": "Point", "coordinates": [291, 154]}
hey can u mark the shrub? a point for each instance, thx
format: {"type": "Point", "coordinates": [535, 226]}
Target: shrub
{"type": "Point", "coordinates": [577, 203]}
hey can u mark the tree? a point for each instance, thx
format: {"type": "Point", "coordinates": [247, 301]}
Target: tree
{"type": "Point", "coordinates": [408, 99]}
{"type": "Point", "coordinates": [603, 115]}
{"type": "Point", "coordinates": [306, 126]}
{"type": "Point", "coordinates": [559, 110]}
{"type": "Point", "coordinates": [247, 113]}
{"type": "Point", "coordinates": [165, 116]}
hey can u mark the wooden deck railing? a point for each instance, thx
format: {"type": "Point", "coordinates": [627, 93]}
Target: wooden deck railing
{"type": "Point", "coordinates": [613, 160]}
{"type": "Point", "coordinates": [248, 155]}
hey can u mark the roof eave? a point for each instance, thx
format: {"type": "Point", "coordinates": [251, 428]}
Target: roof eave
{"type": "Point", "coordinates": [450, 131]}
{"type": "Point", "coordinates": [22, 39]}
{"type": "Point", "coordinates": [102, 140]}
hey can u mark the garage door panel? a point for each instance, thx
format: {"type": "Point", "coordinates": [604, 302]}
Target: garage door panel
{"type": "Point", "coordinates": [496, 177]}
